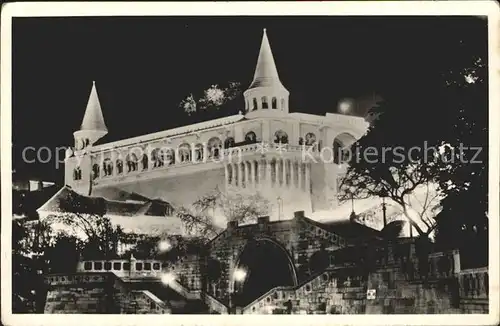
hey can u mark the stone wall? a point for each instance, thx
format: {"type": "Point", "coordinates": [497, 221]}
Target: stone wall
{"type": "Point", "coordinates": [331, 292]}
{"type": "Point", "coordinates": [301, 239]}
{"type": "Point", "coordinates": [81, 293]}
{"type": "Point", "coordinates": [401, 282]}
{"type": "Point", "coordinates": [98, 293]}
{"type": "Point", "coordinates": [144, 302]}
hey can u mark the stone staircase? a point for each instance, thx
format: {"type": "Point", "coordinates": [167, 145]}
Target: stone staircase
{"type": "Point", "coordinates": [326, 292]}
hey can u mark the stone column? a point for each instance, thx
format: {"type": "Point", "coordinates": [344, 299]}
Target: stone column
{"type": "Point", "coordinates": [253, 165]}
{"type": "Point", "coordinates": [268, 173]}
{"type": "Point", "coordinates": [456, 261]}
{"type": "Point", "coordinates": [205, 153]}
{"type": "Point", "coordinates": [226, 174]}
{"type": "Point", "coordinates": [177, 156]}
{"type": "Point", "coordinates": [308, 178]}
{"type": "Point", "coordinates": [276, 173]}
{"type": "Point", "coordinates": [299, 175]}
{"type": "Point", "coordinates": [248, 171]}
{"type": "Point", "coordinates": [236, 175]}
{"type": "Point", "coordinates": [260, 167]}
{"type": "Point", "coordinates": [242, 174]}
{"type": "Point", "coordinates": [193, 153]}
{"type": "Point", "coordinates": [284, 172]}
{"type": "Point", "coordinates": [151, 161]}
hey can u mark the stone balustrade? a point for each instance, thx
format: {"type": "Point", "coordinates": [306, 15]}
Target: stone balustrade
{"type": "Point", "coordinates": [77, 278]}
{"type": "Point", "coordinates": [474, 283]}
{"type": "Point", "coordinates": [123, 267]}
{"type": "Point", "coordinates": [141, 160]}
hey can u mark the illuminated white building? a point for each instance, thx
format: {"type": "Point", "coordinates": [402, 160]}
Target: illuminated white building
{"type": "Point", "coordinates": [287, 157]}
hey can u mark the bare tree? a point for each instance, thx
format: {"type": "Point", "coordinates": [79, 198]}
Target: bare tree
{"type": "Point", "coordinates": [410, 185]}
{"type": "Point", "coordinates": [200, 218]}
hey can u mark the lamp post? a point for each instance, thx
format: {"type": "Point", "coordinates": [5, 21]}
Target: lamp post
{"type": "Point", "coordinates": [384, 208]}
{"type": "Point", "coordinates": [352, 217]}
{"type": "Point", "coordinates": [239, 276]}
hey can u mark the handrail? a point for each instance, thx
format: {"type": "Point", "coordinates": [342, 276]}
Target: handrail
{"type": "Point", "coordinates": [181, 289]}
{"type": "Point", "coordinates": [284, 287]}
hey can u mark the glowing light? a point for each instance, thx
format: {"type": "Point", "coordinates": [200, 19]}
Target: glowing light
{"type": "Point", "coordinates": [164, 245]}
{"type": "Point", "coordinates": [239, 274]}
{"type": "Point", "coordinates": [345, 106]}
{"type": "Point", "coordinates": [168, 278]}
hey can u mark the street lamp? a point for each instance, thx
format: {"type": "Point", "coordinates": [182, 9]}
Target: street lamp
{"type": "Point", "coordinates": [239, 276]}
{"type": "Point", "coordinates": [164, 245]}
{"type": "Point", "coordinates": [168, 278]}
{"type": "Point", "coordinates": [384, 208]}
{"type": "Point", "coordinates": [350, 191]}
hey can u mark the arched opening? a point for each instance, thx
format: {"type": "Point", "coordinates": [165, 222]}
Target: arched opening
{"type": "Point", "coordinates": [265, 104]}
{"type": "Point", "coordinates": [266, 265]}
{"type": "Point", "coordinates": [157, 157]}
{"type": "Point", "coordinates": [77, 174]}
{"type": "Point", "coordinates": [107, 167]}
{"type": "Point", "coordinates": [310, 139]}
{"type": "Point", "coordinates": [145, 161]}
{"type": "Point", "coordinates": [131, 162]}
{"type": "Point", "coordinates": [95, 171]}
{"type": "Point", "coordinates": [229, 142]}
{"type": "Point", "coordinates": [185, 152]}
{"type": "Point", "coordinates": [254, 105]}
{"type": "Point", "coordinates": [169, 156]}
{"type": "Point", "coordinates": [250, 137]}
{"type": "Point", "coordinates": [341, 145]}
{"type": "Point", "coordinates": [274, 103]}
{"type": "Point", "coordinates": [214, 147]}
{"type": "Point", "coordinates": [119, 166]}
{"type": "Point", "coordinates": [280, 137]}
{"type": "Point", "coordinates": [198, 152]}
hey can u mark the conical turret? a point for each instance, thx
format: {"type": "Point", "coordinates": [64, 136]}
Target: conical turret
{"type": "Point", "coordinates": [93, 118]}
{"type": "Point", "coordinates": [93, 127]}
{"type": "Point", "coordinates": [266, 92]}
{"type": "Point", "coordinates": [266, 74]}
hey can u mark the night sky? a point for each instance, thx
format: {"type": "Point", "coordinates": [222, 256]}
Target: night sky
{"type": "Point", "coordinates": [144, 67]}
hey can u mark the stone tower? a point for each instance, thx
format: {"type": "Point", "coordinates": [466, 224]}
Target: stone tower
{"type": "Point", "coordinates": [78, 165]}
{"type": "Point", "coordinates": [266, 95]}
{"type": "Point", "coordinates": [93, 127]}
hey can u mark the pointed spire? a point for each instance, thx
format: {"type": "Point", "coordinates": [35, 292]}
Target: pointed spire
{"type": "Point", "coordinates": [266, 73]}
{"type": "Point", "coordinates": [93, 118]}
